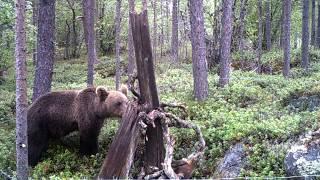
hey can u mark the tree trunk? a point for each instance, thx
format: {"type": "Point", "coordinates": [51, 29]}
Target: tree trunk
{"type": "Point", "coordinates": [21, 92]}
{"type": "Point", "coordinates": [45, 48]}
{"type": "Point", "coordinates": [225, 44]}
{"type": "Point", "coordinates": [243, 11]}
{"type": "Point", "coordinates": [118, 161]}
{"type": "Point", "coordinates": [88, 25]}
{"type": "Point", "coordinates": [259, 52]}
{"type": "Point", "coordinates": [118, 23]}
{"type": "Point", "coordinates": [174, 37]}
{"type": "Point", "coordinates": [145, 4]}
{"type": "Point", "coordinates": [162, 24]}
{"type": "Point", "coordinates": [313, 23]}
{"type": "Point", "coordinates": [305, 35]}
{"type": "Point", "coordinates": [199, 62]}
{"type": "Point", "coordinates": [131, 62]}
{"type": "Point", "coordinates": [318, 28]}
{"type": "Point", "coordinates": [281, 27]}
{"type": "Point", "coordinates": [34, 23]}
{"type": "Point", "coordinates": [154, 45]}
{"type": "Point", "coordinates": [67, 41]}
{"type": "Point", "coordinates": [154, 152]}
{"type": "Point", "coordinates": [167, 15]}
{"type": "Point", "coordinates": [75, 43]}
{"type": "Point", "coordinates": [97, 17]}
{"type": "Point", "coordinates": [286, 40]}
{"type": "Point", "coordinates": [268, 25]}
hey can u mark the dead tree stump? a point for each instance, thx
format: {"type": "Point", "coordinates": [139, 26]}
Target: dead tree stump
{"type": "Point", "coordinates": [146, 120]}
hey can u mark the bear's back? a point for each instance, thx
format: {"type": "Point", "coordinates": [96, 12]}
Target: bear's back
{"type": "Point", "coordinates": [54, 110]}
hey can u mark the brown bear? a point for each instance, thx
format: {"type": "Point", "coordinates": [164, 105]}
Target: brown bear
{"type": "Point", "coordinates": [56, 114]}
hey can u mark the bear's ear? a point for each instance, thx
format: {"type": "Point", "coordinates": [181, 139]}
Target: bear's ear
{"type": "Point", "coordinates": [124, 89]}
{"type": "Point", "coordinates": [102, 93]}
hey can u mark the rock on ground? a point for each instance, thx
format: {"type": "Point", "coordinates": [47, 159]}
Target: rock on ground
{"type": "Point", "coordinates": [304, 158]}
{"type": "Point", "coordinates": [232, 163]}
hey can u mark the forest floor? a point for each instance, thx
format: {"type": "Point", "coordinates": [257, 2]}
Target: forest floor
{"type": "Point", "coordinates": [265, 112]}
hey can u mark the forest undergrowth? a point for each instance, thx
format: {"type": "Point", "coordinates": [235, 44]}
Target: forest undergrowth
{"type": "Point", "coordinates": [265, 112]}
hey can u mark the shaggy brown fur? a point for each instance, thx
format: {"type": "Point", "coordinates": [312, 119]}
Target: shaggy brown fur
{"type": "Point", "coordinates": [56, 114]}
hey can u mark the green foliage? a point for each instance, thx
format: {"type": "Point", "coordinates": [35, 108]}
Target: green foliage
{"type": "Point", "coordinates": [7, 149]}
{"type": "Point", "coordinates": [250, 109]}
{"type": "Point", "coordinates": [265, 159]}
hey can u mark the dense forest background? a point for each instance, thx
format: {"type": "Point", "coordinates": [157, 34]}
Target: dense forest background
{"type": "Point", "coordinates": [257, 85]}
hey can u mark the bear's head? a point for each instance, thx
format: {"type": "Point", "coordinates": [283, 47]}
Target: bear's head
{"type": "Point", "coordinates": [111, 103]}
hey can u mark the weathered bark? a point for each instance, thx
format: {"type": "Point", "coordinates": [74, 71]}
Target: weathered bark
{"type": "Point", "coordinates": [118, 23]}
{"type": "Point", "coordinates": [119, 158]}
{"type": "Point", "coordinates": [305, 35]}
{"type": "Point", "coordinates": [199, 61]}
{"type": "Point", "coordinates": [259, 51]}
{"type": "Point", "coordinates": [174, 37]}
{"type": "Point", "coordinates": [268, 24]}
{"type": "Point", "coordinates": [21, 91]}
{"type": "Point", "coordinates": [45, 48]}
{"type": "Point", "coordinates": [313, 22]}
{"type": "Point", "coordinates": [318, 27]}
{"type": "Point", "coordinates": [286, 40]}
{"type": "Point", "coordinates": [154, 152]}
{"type": "Point", "coordinates": [226, 43]}
{"type": "Point", "coordinates": [88, 25]}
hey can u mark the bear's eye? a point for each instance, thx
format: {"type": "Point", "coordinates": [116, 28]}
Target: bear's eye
{"type": "Point", "coordinates": [119, 103]}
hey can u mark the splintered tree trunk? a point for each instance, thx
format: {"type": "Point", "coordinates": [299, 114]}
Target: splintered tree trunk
{"type": "Point", "coordinates": [154, 153]}
{"type": "Point", "coordinates": [118, 161]}
{"type": "Point", "coordinates": [174, 37]}
{"type": "Point", "coordinates": [226, 43]}
{"type": "Point", "coordinates": [313, 22]}
{"type": "Point", "coordinates": [268, 25]}
{"type": "Point", "coordinates": [286, 40]}
{"type": "Point", "coordinates": [305, 35]}
{"type": "Point", "coordinates": [45, 48]}
{"type": "Point", "coordinates": [131, 63]}
{"type": "Point", "coordinates": [118, 23]}
{"type": "Point", "coordinates": [88, 26]}
{"type": "Point", "coordinates": [199, 61]}
{"type": "Point", "coordinates": [21, 92]}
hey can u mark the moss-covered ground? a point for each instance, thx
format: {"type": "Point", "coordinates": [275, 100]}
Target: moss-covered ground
{"type": "Point", "coordinates": [254, 109]}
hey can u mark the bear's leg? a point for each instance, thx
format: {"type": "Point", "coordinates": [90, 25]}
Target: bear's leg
{"type": "Point", "coordinates": [37, 144]}
{"type": "Point", "coordinates": [89, 142]}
